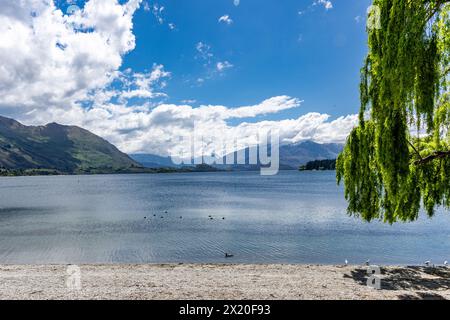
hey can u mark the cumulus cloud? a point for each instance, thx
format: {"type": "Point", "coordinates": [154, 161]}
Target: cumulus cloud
{"type": "Point", "coordinates": [158, 129]}
{"type": "Point", "coordinates": [48, 58]}
{"type": "Point", "coordinates": [67, 69]}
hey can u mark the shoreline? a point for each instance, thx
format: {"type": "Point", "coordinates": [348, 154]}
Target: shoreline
{"type": "Point", "coordinates": [150, 171]}
{"type": "Point", "coordinates": [221, 281]}
{"type": "Point", "coordinates": [144, 171]}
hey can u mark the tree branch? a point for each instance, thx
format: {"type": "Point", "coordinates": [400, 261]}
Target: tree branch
{"type": "Point", "coordinates": [438, 6]}
{"type": "Point", "coordinates": [433, 156]}
{"type": "Point", "coordinates": [418, 153]}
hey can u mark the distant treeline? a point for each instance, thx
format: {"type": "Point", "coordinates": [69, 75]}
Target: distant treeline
{"type": "Point", "coordinates": [4, 172]}
{"type": "Point", "coordinates": [28, 172]}
{"type": "Point", "coordinates": [319, 165]}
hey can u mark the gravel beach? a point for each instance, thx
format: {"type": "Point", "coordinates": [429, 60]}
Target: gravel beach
{"type": "Point", "coordinates": [186, 281]}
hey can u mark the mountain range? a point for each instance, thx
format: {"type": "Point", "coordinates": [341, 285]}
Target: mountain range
{"type": "Point", "coordinates": [292, 156]}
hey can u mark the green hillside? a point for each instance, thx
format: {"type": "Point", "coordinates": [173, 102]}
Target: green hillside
{"type": "Point", "coordinates": [66, 149]}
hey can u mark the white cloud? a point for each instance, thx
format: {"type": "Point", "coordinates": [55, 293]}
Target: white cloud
{"type": "Point", "coordinates": [156, 10]}
{"type": "Point", "coordinates": [147, 6]}
{"type": "Point", "coordinates": [325, 3]}
{"type": "Point", "coordinates": [213, 66]}
{"type": "Point", "coordinates": [225, 19]}
{"type": "Point", "coordinates": [157, 130]}
{"type": "Point", "coordinates": [51, 59]}
{"type": "Point", "coordinates": [204, 52]}
{"type": "Point", "coordinates": [224, 65]}
{"type": "Point", "coordinates": [189, 101]}
{"type": "Point", "coordinates": [66, 69]}
{"type": "Point", "coordinates": [141, 85]}
{"type": "Point", "coordinates": [328, 5]}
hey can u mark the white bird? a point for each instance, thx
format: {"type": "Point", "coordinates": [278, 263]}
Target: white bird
{"type": "Point", "coordinates": [368, 262]}
{"type": "Point", "coordinates": [427, 263]}
{"type": "Point", "coordinates": [346, 262]}
{"type": "Point", "coordinates": [445, 263]}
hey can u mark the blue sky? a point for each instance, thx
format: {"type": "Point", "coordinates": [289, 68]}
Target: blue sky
{"type": "Point", "coordinates": [289, 47]}
{"type": "Point", "coordinates": [141, 72]}
{"type": "Point", "coordinates": [315, 56]}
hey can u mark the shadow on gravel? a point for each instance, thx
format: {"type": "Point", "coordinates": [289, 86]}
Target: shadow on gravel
{"type": "Point", "coordinates": [421, 296]}
{"type": "Point", "coordinates": [409, 279]}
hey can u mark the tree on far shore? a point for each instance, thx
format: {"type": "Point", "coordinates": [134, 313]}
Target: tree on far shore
{"type": "Point", "coordinates": [398, 158]}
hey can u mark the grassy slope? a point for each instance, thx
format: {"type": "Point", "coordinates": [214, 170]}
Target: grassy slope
{"type": "Point", "coordinates": [67, 149]}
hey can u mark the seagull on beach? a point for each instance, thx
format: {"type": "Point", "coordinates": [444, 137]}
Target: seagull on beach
{"type": "Point", "coordinates": [368, 262]}
{"type": "Point", "coordinates": [445, 263]}
{"type": "Point", "coordinates": [346, 262]}
{"type": "Point", "coordinates": [427, 263]}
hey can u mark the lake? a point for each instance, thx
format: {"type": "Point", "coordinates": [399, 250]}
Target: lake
{"type": "Point", "coordinates": [294, 217]}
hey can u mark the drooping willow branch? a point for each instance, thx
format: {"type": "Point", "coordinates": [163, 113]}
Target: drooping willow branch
{"type": "Point", "coordinates": [405, 76]}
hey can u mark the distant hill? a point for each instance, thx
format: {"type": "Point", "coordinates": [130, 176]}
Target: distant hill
{"type": "Point", "coordinates": [295, 155]}
{"type": "Point", "coordinates": [319, 165]}
{"type": "Point", "coordinates": [292, 156]}
{"type": "Point", "coordinates": [66, 149]}
{"type": "Point", "coordinates": [153, 161]}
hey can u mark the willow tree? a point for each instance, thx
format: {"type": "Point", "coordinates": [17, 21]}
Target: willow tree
{"type": "Point", "coordinates": [398, 158]}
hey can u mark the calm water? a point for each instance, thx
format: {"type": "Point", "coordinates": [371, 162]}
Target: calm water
{"type": "Point", "coordinates": [295, 217]}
